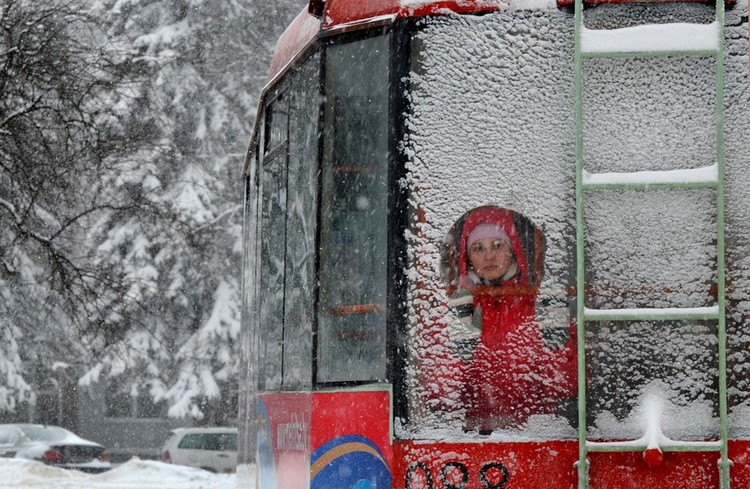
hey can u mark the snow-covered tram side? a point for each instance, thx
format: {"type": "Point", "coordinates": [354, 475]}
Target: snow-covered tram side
{"type": "Point", "coordinates": [392, 139]}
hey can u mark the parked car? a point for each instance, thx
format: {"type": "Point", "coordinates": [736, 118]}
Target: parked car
{"type": "Point", "coordinates": [52, 445]}
{"type": "Point", "coordinates": [213, 449]}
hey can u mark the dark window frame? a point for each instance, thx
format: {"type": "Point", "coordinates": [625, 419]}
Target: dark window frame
{"type": "Point", "coordinates": [399, 33]}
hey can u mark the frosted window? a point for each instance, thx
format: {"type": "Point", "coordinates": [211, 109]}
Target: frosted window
{"type": "Point", "coordinates": [273, 239]}
{"type": "Point", "coordinates": [301, 223]}
{"type": "Point", "coordinates": [277, 124]}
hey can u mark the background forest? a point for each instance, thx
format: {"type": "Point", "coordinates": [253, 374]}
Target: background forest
{"type": "Point", "coordinates": [123, 128]}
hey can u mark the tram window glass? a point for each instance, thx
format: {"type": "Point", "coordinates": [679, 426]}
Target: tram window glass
{"type": "Point", "coordinates": [304, 110]}
{"type": "Point", "coordinates": [351, 316]}
{"type": "Point", "coordinates": [277, 123]}
{"type": "Point", "coordinates": [272, 246]}
{"type": "Point", "coordinates": [289, 181]}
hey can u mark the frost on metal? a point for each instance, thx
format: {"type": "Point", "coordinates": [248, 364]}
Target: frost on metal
{"type": "Point", "coordinates": [492, 123]}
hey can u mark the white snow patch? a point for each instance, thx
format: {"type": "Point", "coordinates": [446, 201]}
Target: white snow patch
{"type": "Point", "coordinates": [134, 474]}
{"type": "Point", "coordinates": [651, 37]}
{"type": "Point", "coordinates": [694, 175]}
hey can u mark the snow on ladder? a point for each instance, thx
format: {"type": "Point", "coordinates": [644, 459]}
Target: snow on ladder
{"type": "Point", "coordinates": [645, 41]}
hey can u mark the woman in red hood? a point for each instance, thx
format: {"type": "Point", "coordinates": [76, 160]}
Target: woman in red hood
{"type": "Point", "coordinates": [511, 373]}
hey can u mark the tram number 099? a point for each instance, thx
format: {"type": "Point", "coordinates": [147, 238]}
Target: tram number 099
{"type": "Point", "coordinates": [455, 475]}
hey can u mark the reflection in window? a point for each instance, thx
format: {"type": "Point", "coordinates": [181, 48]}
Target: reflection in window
{"type": "Point", "coordinates": [277, 123]}
{"type": "Point", "coordinates": [499, 360]}
{"type": "Point", "coordinates": [352, 318]}
{"type": "Point", "coordinates": [302, 202]}
{"type": "Point", "coordinates": [273, 242]}
{"type": "Point", "coordinates": [289, 191]}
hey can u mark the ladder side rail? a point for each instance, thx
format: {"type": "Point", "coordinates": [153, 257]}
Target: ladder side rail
{"type": "Point", "coordinates": [583, 463]}
{"type": "Point", "coordinates": [724, 462]}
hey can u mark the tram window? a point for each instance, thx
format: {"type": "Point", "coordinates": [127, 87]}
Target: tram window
{"type": "Point", "coordinates": [277, 123]}
{"type": "Point", "coordinates": [272, 246]}
{"type": "Point", "coordinates": [304, 110]}
{"type": "Point", "coordinates": [353, 242]}
{"type": "Point", "coordinates": [289, 181]}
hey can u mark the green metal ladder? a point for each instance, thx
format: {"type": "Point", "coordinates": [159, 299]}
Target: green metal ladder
{"type": "Point", "coordinates": [686, 40]}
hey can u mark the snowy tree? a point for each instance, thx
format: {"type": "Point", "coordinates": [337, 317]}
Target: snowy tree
{"type": "Point", "coordinates": [205, 65]}
{"type": "Point", "coordinates": [62, 95]}
{"type": "Point", "coordinates": [123, 127]}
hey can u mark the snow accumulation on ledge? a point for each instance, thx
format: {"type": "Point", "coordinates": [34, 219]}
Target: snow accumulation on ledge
{"type": "Point", "coordinates": [695, 175]}
{"type": "Point", "coordinates": [651, 38]}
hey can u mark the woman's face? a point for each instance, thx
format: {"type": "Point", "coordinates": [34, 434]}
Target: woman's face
{"type": "Point", "coordinates": [490, 258]}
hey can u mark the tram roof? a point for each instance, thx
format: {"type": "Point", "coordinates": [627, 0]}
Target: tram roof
{"type": "Point", "coordinates": [333, 15]}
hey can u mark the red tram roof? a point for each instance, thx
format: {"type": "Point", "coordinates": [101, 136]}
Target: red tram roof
{"type": "Point", "coordinates": [300, 32]}
{"type": "Point", "coordinates": [343, 13]}
{"type": "Point", "coordinates": [338, 12]}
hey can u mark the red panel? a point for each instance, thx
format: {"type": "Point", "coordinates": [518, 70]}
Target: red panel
{"type": "Point", "coordinates": [739, 454]}
{"type": "Point", "coordinates": [423, 465]}
{"type": "Point", "coordinates": [351, 440]}
{"type": "Point", "coordinates": [340, 12]}
{"type": "Point", "coordinates": [297, 424]}
{"type": "Point", "coordinates": [527, 465]}
{"type": "Point", "coordinates": [678, 471]}
{"type": "Point", "coordinates": [353, 413]}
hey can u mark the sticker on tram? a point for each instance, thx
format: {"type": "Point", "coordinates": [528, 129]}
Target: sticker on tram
{"type": "Point", "coordinates": [456, 475]}
{"type": "Point", "coordinates": [349, 462]}
{"type": "Point", "coordinates": [266, 458]}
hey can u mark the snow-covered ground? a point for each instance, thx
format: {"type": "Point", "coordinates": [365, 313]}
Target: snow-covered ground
{"type": "Point", "coordinates": [135, 474]}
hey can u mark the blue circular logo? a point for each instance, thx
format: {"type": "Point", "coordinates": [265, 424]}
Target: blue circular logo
{"type": "Point", "coordinates": [349, 462]}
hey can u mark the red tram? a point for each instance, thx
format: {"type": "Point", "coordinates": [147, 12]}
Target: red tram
{"type": "Point", "coordinates": [499, 244]}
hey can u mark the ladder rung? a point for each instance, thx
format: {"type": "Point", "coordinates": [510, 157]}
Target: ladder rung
{"type": "Point", "coordinates": [678, 39]}
{"type": "Point", "coordinates": [705, 177]}
{"type": "Point", "coordinates": [663, 314]}
{"type": "Point", "coordinates": [641, 445]}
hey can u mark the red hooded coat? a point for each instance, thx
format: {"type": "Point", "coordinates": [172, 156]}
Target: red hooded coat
{"type": "Point", "coordinates": [513, 373]}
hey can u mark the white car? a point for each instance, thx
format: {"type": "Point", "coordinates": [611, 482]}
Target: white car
{"type": "Point", "coordinates": [213, 449]}
{"type": "Point", "coordinates": [52, 445]}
